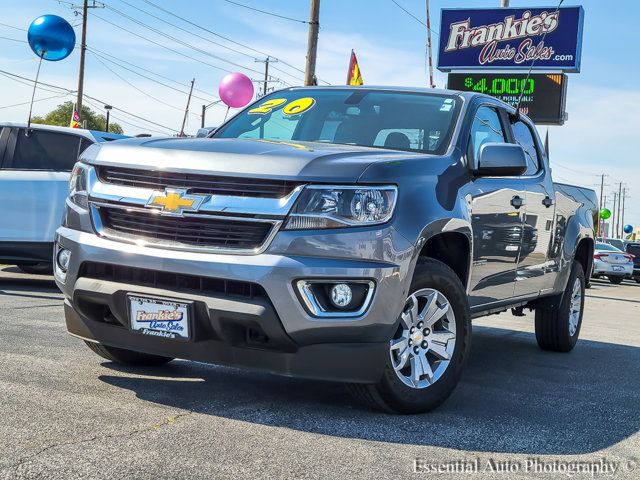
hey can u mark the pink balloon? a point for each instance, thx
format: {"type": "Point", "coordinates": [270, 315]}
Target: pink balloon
{"type": "Point", "coordinates": [236, 90]}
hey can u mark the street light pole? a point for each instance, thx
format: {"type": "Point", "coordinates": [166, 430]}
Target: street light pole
{"type": "Point", "coordinates": [108, 109]}
{"type": "Point", "coordinates": [504, 3]}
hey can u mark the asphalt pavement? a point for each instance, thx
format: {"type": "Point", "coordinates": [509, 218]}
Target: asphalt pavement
{"type": "Point", "coordinates": [67, 413]}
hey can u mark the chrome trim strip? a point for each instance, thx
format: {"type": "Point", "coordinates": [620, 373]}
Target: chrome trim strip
{"type": "Point", "coordinates": [314, 308]}
{"type": "Point", "coordinates": [277, 207]}
{"type": "Point", "coordinates": [110, 234]}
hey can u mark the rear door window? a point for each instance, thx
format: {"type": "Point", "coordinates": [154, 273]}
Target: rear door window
{"type": "Point", "coordinates": [44, 150]}
{"type": "Point", "coordinates": [524, 137]}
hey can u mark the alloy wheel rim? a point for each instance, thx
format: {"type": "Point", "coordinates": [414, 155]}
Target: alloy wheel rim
{"type": "Point", "coordinates": [575, 309]}
{"type": "Point", "coordinates": [424, 344]}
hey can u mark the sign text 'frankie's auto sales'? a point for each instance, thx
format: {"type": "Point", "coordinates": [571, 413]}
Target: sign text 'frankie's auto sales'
{"type": "Point", "coordinates": [511, 38]}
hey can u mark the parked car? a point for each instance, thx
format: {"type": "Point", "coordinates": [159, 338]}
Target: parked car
{"type": "Point", "coordinates": [34, 183]}
{"type": "Point", "coordinates": [634, 249]}
{"type": "Point", "coordinates": [611, 262]}
{"type": "Point", "coordinates": [619, 243]}
{"type": "Point", "coordinates": [328, 233]}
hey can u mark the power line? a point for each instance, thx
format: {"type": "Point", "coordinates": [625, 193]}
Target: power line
{"type": "Point", "coordinates": [415, 18]}
{"type": "Point", "coordinates": [121, 120]}
{"type": "Point", "coordinates": [14, 39]}
{"type": "Point", "coordinates": [35, 101]}
{"type": "Point", "coordinates": [11, 26]}
{"type": "Point", "coordinates": [134, 86]}
{"type": "Point", "coordinates": [239, 52]}
{"type": "Point", "coordinates": [163, 46]}
{"type": "Point", "coordinates": [182, 42]}
{"type": "Point", "coordinates": [118, 61]}
{"type": "Point", "coordinates": [265, 12]}
{"type": "Point", "coordinates": [262, 54]}
{"type": "Point", "coordinates": [25, 79]}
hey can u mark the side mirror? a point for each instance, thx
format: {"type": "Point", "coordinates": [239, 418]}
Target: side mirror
{"type": "Point", "coordinates": [205, 132]}
{"type": "Point", "coordinates": [501, 160]}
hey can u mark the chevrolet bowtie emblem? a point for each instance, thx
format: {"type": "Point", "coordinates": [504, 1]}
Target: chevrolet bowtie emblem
{"type": "Point", "coordinates": [175, 202]}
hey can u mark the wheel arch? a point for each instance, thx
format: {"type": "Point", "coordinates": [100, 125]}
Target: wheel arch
{"type": "Point", "coordinates": [452, 246]}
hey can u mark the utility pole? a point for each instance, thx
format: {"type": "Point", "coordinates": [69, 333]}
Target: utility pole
{"type": "Point", "coordinates": [619, 205]}
{"type": "Point", "coordinates": [601, 206]}
{"type": "Point", "coordinates": [312, 43]}
{"type": "Point", "coordinates": [186, 110]}
{"type": "Point", "coordinates": [624, 197]}
{"type": "Point", "coordinates": [83, 49]}
{"type": "Point", "coordinates": [204, 111]}
{"type": "Point", "coordinates": [429, 54]}
{"type": "Point", "coordinates": [266, 62]}
{"type": "Point", "coordinates": [612, 233]}
{"type": "Point", "coordinates": [504, 3]}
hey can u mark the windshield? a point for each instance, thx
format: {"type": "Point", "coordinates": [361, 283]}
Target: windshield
{"type": "Point", "coordinates": [606, 247]}
{"type": "Point", "coordinates": [421, 122]}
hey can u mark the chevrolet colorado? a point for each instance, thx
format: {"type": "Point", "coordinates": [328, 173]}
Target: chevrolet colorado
{"type": "Point", "coordinates": [335, 233]}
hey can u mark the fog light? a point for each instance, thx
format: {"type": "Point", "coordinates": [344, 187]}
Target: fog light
{"type": "Point", "coordinates": [64, 256]}
{"type": "Point", "coordinates": [341, 295]}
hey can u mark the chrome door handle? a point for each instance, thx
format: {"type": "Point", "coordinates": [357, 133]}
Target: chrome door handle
{"type": "Point", "coordinates": [517, 202]}
{"type": "Point", "coordinates": [547, 201]}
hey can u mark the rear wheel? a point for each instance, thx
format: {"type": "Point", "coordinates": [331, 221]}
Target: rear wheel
{"type": "Point", "coordinates": [558, 327]}
{"type": "Point", "coordinates": [127, 357]}
{"type": "Point", "coordinates": [428, 351]}
{"type": "Point", "coordinates": [637, 279]}
{"type": "Point", "coordinates": [36, 268]}
{"type": "Point", "coordinates": [616, 279]}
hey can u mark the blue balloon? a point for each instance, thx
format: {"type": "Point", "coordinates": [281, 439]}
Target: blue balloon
{"type": "Point", "coordinates": [628, 229]}
{"type": "Point", "coordinates": [51, 37]}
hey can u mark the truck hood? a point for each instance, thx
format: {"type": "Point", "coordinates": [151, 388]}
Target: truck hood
{"type": "Point", "coordinates": [303, 161]}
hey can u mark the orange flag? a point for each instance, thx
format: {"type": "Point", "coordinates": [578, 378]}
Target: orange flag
{"type": "Point", "coordinates": [354, 77]}
{"type": "Point", "coordinates": [75, 118]}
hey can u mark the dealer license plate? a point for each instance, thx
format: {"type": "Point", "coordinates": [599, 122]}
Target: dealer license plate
{"type": "Point", "coordinates": [157, 317]}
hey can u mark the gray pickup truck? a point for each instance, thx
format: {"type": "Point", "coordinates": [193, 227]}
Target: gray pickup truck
{"type": "Point", "coordinates": [337, 233]}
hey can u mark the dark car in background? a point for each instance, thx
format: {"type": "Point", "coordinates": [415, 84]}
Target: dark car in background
{"type": "Point", "coordinates": [634, 249]}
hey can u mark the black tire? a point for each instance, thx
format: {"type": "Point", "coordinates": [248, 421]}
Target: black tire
{"type": "Point", "coordinates": [552, 322]}
{"type": "Point", "coordinates": [615, 279]}
{"type": "Point", "coordinates": [36, 268]}
{"type": "Point", "coordinates": [637, 280]}
{"type": "Point", "coordinates": [127, 357]}
{"type": "Point", "coordinates": [390, 394]}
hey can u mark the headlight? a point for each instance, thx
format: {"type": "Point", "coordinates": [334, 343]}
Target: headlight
{"type": "Point", "coordinates": [78, 185]}
{"type": "Point", "coordinates": [342, 206]}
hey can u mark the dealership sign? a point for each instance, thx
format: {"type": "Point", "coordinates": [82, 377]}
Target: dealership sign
{"type": "Point", "coordinates": [541, 96]}
{"type": "Point", "coordinates": [511, 38]}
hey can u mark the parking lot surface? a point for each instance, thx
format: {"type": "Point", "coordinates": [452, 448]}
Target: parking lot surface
{"type": "Point", "coordinates": [67, 413]}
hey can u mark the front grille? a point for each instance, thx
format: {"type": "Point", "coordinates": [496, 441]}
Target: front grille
{"type": "Point", "coordinates": [170, 281]}
{"type": "Point", "coordinates": [193, 231]}
{"type": "Point", "coordinates": [196, 183]}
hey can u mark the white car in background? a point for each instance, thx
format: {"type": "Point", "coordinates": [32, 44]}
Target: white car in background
{"type": "Point", "coordinates": [611, 262]}
{"type": "Point", "coordinates": [34, 183]}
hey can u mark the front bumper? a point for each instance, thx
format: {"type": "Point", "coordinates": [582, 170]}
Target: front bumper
{"type": "Point", "coordinates": [231, 330]}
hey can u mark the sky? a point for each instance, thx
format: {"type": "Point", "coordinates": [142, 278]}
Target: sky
{"type": "Point", "coordinates": [603, 101]}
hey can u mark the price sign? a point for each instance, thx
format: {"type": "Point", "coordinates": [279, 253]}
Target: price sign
{"type": "Point", "coordinates": [543, 95]}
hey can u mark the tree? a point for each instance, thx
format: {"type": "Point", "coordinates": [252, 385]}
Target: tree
{"type": "Point", "coordinates": [61, 116]}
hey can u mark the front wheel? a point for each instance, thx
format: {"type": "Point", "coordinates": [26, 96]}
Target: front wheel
{"type": "Point", "coordinates": [428, 351]}
{"type": "Point", "coordinates": [127, 357]}
{"type": "Point", "coordinates": [616, 279]}
{"type": "Point", "coordinates": [558, 327]}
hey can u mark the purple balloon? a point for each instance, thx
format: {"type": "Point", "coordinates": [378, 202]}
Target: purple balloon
{"type": "Point", "coordinates": [236, 90]}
